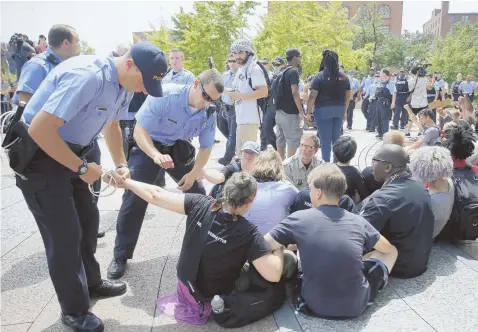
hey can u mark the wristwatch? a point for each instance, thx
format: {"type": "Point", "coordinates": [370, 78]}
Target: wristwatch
{"type": "Point", "coordinates": [83, 168]}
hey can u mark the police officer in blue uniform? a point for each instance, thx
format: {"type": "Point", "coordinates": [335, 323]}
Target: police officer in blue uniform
{"type": "Point", "coordinates": [384, 95]}
{"type": "Point", "coordinates": [372, 107]}
{"type": "Point", "coordinates": [163, 128]}
{"type": "Point", "coordinates": [79, 98]}
{"type": "Point", "coordinates": [177, 74]}
{"type": "Point", "coordinates": [364, 94]}
{"type": "Point", "coordinates": [399, 98]}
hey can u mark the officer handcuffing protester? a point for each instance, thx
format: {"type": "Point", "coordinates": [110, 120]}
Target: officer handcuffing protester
{"type": "Point", "coordinates": [79, 98]}
{"type": "Point", "coordinates": [162, 133]}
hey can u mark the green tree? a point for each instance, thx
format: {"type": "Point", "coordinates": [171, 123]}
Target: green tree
{"type": "Point", "coordinates": [370, 31]}
{"type": "Point", "coordinates": [207, 31]}
{"type": "Point", "coordinates": [418, 48]}
{"type": "Point", "coordinates": [310, 27]}
{"type": "Point", "coordinates": [457, 52]}
{"type": "Point", "coordinates": [85, 49]}
{"type": "Point", "coordinates": [162, 38]}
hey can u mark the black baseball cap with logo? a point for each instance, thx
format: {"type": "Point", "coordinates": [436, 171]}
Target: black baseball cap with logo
{"type": "Point", "coordinates": [152, 64]}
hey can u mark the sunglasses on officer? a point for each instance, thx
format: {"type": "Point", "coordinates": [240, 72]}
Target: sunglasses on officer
{"type": "Point", "coordinates": [205, 96]}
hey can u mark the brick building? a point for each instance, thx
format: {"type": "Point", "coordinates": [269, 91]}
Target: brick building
{"type": "Point", "coordinates": [390, 10]}
{"type": "Point", "coordinates": [442, 20]}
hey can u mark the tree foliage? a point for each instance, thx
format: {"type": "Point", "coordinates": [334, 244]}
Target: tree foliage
{"type": "Point", "coordinates": [207, 31]}
{"type": "Point", "coordinates": [85, 49]}
{"type": "Point", "coordinates": [457, 52]}
{"type": "Point", "coordinates": [310, 27]}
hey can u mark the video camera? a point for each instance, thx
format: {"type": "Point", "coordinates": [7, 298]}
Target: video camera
{"type": "Point", "coordinates": [422, 70]}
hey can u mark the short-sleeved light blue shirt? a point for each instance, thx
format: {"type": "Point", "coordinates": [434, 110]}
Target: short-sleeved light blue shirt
{"type": "Point", "coordinates": [354, 84]}
{"type": "Point", "coordinates": [366, 83]}
{"type": "Point", "coordinates": [228, 77]}
{"type": "Point", "coordinates": [170, 118]}
{"type": "Point", "coordinates": [83, 91]}
{"type": "Point", "coordinates": [183, 77]}
{"type": "Point", "coordinates": [34, 72]}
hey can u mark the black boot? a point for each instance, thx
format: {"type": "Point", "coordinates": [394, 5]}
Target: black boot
{"type": "Point", "coordinates": [116, 268]}
{"type": "Point", "coordinates": [83, 322]}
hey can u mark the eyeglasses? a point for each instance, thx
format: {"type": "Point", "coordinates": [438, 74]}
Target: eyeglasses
{"type": "Point", "coordinates": [307, 147]}
{"type": "Point", "coordinates": [205, 95]}
{"type": "Point", "coordinates": [375, 160]}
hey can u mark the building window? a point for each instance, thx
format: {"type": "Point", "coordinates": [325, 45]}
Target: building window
{"type": "Point", "coordinates": [464, 18]}
{"type": "Point", "coordinates": [384, 11]}
{"type": "Point", "coordinates": [363, 12]}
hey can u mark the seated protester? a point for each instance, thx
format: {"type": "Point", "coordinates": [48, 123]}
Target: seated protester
{"type": "Point", "coordinates": [303, 202]}
{"type": "Point", "coordinates": [455, 115]}
{"type": "Point", "coordinates": [299, 166]}
{"type": "Point", "coordinates": [444, 116]}
{"type": "Point", "coordinates": [392, 137]}
{"type": "Point", "coordinates": [249, 152]}
{"type": "Point", "coordinates": [274, 195]}
{"type": "Point", "coordinates": [460, 139]}
{"type": "Point", "coordinates": [431, 134]}
{"type": "Point", "coordinates": [231, 242]}
{"type": "Point", "coordinates": [401, 210]}
{"type": "Point", "coordinates": [344, 150]}
{"type": "Point", "coordinates": [336, 281]}
{"type": "Point", "coordinates": [434, 167]}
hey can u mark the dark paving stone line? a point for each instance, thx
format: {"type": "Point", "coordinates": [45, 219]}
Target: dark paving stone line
{"type": "Point", "coordinates": [4, 207]}
{"type": "Point", "coordinates": [160, 281]}
{"type": "Point", "coordinates": [42, 309]}
{"type": "Point", "coordinates": [285, 318]}
{"type": "Point", "coordinates": [20, 243]}
{"type": "Point", "coordinates": [17, 324]}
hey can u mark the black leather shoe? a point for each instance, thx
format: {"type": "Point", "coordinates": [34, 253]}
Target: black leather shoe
{"type": "Point", "coordinates": [222, 161]}
{"type": "Point", "coordinates": [101, 234]}
{"type": "Point", "coordinates": [108, 288]}
{"type": "Point", "coordinates": [394, 128]}
{"type": "Point", "coordinates": [83, 322]}
{"type": "Point", "coordinates": [116, 268]}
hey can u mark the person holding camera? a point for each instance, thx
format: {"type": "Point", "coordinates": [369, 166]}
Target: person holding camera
{"type": "Point", "coordinates": [418, 93]}
{"type": "Point", "coordinates": [23, 51]}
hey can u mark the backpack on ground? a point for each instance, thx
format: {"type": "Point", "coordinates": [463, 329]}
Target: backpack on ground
{"type": "Point", "coordinates": [464, 217]}
{"type": "Point", "coordinates": [262, 102]}
{"type": "Point", "coordinates": [277, 88]}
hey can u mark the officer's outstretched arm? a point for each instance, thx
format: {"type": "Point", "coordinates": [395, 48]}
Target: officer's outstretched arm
{"type": "Point", "coordinates": [158, 196]}
{"type": "Point", "coordinates": [24, 96]}
{"type": "Point", "coordinates": [44, 131]}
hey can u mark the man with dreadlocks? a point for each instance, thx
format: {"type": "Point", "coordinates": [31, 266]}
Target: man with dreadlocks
{"type": "Point", "coordinates": [249, 85]}
{"type": "Point", "coordinates": [401, 210]}
{"type": "Point", "coordinates": [329, 97]}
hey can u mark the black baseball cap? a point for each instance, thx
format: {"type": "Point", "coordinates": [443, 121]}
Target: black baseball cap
{"type": "Point", "coordinates": [291, 53]}
{"type": "Point", "coordinates": [278, 61]}
{"type": "Point", "coordinates": [152, 64]}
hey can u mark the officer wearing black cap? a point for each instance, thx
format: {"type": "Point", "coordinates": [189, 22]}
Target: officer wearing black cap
{"type": "Point", "coordinates": [399, 98]}
{"type": "Point", "coordinates": [79, 98]}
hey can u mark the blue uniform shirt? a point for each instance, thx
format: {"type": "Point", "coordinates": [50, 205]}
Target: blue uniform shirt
{"type": "Point", "coordinates": [183, 77]}
{"type": "Point", "coordinates": [34, 72]}
{"type": "Point", "coordinates": [170, 118]}
{"type": "Point", "coordinates": [366, 83]}
{"type": "Point", "coordinates": [372, 89]}
{"type": "Point", "coordinates": [83, 91]}
{"type": "Point", "coordinates": [467, 87]}
{"type": "Point", "coordinates": [228, 79]}
{"type": "Point", "coordinates": [354, 85]}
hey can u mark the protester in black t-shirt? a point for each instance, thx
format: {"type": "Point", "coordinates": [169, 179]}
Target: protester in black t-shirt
{"type": "Point", "coordinates": [344, 151]}
{"type": "Point", "coordinates": [401, 210]}
{"type": "Point", "coordinates": [337, 281]}
{"type": "Point", "coordinates": [231, 241]}
{"type": "Point", "coordinates": [289, 107]}
{"type": "Point", "coordinates": [329, 98]}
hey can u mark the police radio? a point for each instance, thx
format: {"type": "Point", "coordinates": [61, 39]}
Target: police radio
{"type": "Point", "coordinates": [18, 144]}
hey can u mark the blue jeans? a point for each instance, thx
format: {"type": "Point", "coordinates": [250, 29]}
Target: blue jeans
{"type": "Point", "coordinates": [329, 121]}
{"type": "Point", "coordinates": [229, 114]}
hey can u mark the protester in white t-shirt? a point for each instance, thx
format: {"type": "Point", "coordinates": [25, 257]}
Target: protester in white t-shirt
{"type": "Point", "coordinates": [419, 101]}
{"type": "Point", "coordinates": [248, 86]}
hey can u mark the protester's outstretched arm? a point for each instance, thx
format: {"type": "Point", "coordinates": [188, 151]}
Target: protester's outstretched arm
{"type": "Point", "coordinates": [153, 194]}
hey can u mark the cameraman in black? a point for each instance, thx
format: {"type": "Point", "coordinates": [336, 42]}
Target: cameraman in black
{"type": "Point", "coordinates": [384, 93]}
{"type": "Point", "coordinates": [23, 51]}
{"type": "Point", "coordinates": [398, 101]}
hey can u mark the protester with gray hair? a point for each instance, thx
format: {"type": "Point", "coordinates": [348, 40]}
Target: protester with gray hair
{"type": "Point", "coordinates": [434, 167]}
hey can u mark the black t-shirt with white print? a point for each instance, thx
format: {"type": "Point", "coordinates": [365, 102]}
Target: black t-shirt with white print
{"type": "Point", "coordinates": [229, 245]}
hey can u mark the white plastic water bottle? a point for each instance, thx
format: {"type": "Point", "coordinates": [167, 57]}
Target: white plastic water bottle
{"type": "Point", "coordinates": [217, 304]}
